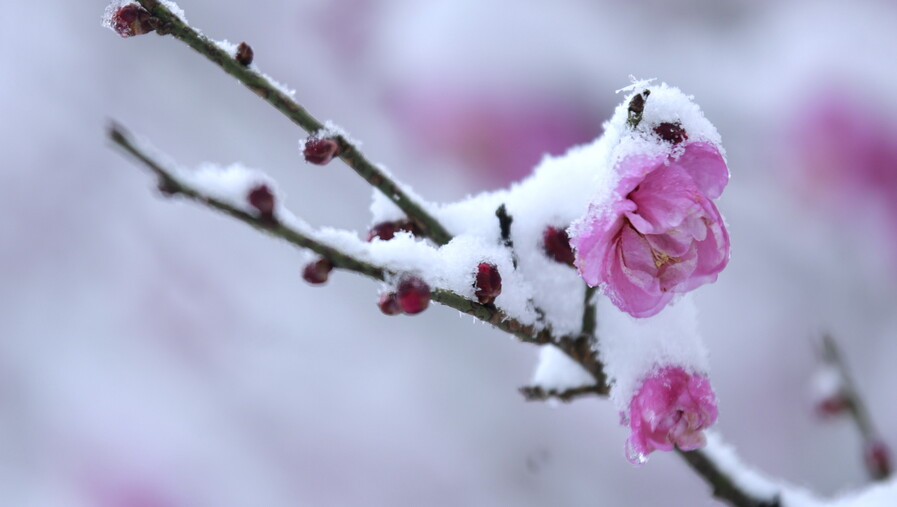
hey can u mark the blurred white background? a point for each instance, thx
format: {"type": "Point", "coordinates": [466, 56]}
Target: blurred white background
{"type": "Point", "coordinates": [154, 354]}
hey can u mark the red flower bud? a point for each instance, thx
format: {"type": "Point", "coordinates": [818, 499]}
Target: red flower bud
{"type": "Point", "coordinates": [671, 132]}
{"type": "Point", "coordinates": [413, 295]}
{"type": "Point", "coordinates": [244, 54]}
{"type": "Point", "coordinates": [317, 272]}
{"type": "Point", "coordinates": [262, 199]}
{"type": "Point", "coordinates": [388, 304]}
{"type": "Point", "coordinates": [488, 283]}
{"type": "Point", "coordinates": [320, 151]}
{"type": "Point", "coordinates": [131, 20]}
{"type": "Point", "coordinates": [557, 245]}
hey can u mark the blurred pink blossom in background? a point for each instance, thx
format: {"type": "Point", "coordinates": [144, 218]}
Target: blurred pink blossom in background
{"type": "Point", "coordinates": [845, 148]}
{"type": "Point", "coordinates": [497, 137]}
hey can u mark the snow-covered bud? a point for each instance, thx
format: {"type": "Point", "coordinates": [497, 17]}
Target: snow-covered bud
{"type": "Point", "coordinates": [487, 283]}
{"type": "Point", "coordinates": [413, 295]}
{"type": "Point", "coordinates": [388, 304]}
{"type": "Point", "coordinates": [244, 54]}
{"type": "Point", "coordinates": [671, 132]}
{"type": "Point", "coordinates": [130, 20]}
{"type": "Point", "coordinates": [262, 199]}
{"type": "Point", "coordinates": [828, 391]}
{"type": "Point", "coordinates": [320, 150]}
{"type": "Point", "coordinates": [671, 409]}
{"type": "Point", "coordinates": [556, 244]}
{"type": "Point", "coordinates": [387, 230]}
{"type": "Point", "coordinates": [317, 272]}
{"type": "Point", "coordinates": [878, 459]}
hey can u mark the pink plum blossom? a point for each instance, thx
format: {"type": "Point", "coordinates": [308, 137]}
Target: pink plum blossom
{"type": "Point", "coordinates": [672, 408]}
{"type": "Point", "coordinates": [497, 137]}
{"type": "Point", "coordinates": [661, 234]}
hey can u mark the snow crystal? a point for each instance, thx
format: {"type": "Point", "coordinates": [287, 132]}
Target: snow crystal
{"type": "Point", "coordinates": [556, 371]}
{"type": "Point", "coordinates": [636, 84]}
{"type": "Point", "coordinates": [282, 88]}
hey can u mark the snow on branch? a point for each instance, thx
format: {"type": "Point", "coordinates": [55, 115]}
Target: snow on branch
{"type": "Point", "coordinates": [226, 57]}
{"type": "Point", "coordinates": [242, 201]}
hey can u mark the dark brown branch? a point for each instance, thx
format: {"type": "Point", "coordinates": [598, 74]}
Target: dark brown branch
{"type": "Point", "coordinates": [271, 93]}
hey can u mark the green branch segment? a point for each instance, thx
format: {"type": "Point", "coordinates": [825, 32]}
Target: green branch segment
{"type": "Point", "coordinates": [274, 95]}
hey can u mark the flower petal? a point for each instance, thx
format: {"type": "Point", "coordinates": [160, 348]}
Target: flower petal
{"type": "Point", "coordinates": [706, 166]}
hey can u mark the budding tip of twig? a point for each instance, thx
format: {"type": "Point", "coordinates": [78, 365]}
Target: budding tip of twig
{"type": "Point", "coordinates": [115, 131]}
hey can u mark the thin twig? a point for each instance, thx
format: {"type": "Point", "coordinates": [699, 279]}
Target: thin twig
{"type": "Point", "coordinates": [488, 313]}
{"type": "Point", "coordinates": [539, 393]}
{"type": "Point", "coordinates": [264, 88]}
{"type": "Point", "coordinates": [855, 406]}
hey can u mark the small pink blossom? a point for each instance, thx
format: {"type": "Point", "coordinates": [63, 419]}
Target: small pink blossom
{"type": "Point", "coordinates": [661, 234]}
{"type": "Point", "coordinates": [671, 408]}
